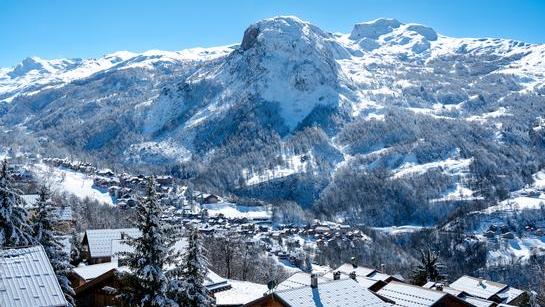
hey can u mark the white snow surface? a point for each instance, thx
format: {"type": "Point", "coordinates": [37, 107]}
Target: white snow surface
{"type": "Point", "coordinates": [231, 210]}
{"type": "Point", "coordinates": [241, 292]}
{"type": "Point", "coordinates": [78, 184]}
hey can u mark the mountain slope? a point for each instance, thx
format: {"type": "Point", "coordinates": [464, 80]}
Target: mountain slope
{"type": "Point", "coordinates": [392, 123]}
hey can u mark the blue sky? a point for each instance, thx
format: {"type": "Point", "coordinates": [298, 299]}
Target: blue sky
{"type": "Point", "coordinates": [85, 28]}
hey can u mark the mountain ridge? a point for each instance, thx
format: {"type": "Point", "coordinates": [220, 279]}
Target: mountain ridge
{"type": "Point", "coordinates": [297, 113]}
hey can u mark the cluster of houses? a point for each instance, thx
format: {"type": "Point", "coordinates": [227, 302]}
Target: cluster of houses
{"type": "Point", "coordinates": [27, 279]}
{"type": "Point", "coordinates": [505, 232]}
{"type": "Point", "coordinates": [352, 285]}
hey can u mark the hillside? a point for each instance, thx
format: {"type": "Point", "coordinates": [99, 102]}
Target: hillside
{"type": "Point", "coordinates": [390, 124]}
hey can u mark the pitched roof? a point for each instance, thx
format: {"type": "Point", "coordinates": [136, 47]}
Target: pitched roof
{"type": "Point", "coordinates": [93, 271]}
{"type": "Point", "coordinates": [30, 199]}
{"type": "Point", "coordinates": [439, 286]}
{"type": "Point", "coordinates": [508, 294]}
{"type": "Point", "coordinates": [366, 282]}
{"type": "Point", "coordinates": [410, 295]}
{"type": "Point", "coordinates": [344, 292]}
{"type": "Point", "coordinates": [100, 240]}
{"type": "Point", "coordinates": [347, 268]}
{"type": "Point", "coordinates": [27, 279]}
{"type": "Point", "coordinates": [477, 287]}
{"type": "Point", "coordinates": [298, 280]}
{"type": "Point", "coordinates": [241, 292]}
{"type": "Point", "coordinates": [63, 213]}
{"type": "Point", "coordinates": [478, 302]}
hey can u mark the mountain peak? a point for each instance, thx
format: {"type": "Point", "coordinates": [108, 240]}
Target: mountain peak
{"type": "Point", "coordinates": [279, 27]}
{"type": "Point", "coordinates": [28, 64]}
{"type": "Point", "coordinates": [375, 28]}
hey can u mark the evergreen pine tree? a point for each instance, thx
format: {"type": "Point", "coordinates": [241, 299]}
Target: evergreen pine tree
{"type": "Point", "coordinates": [75, 250]}
{"type": "Point", "coordinates": [187, 285]}
{"type": "Point", "coordinates": [44, 234]}
{"type": "Point", "coordinates": [428, 269]}
{"type": "Point", "coordinates": [14, 228]}
{"type": "Point", "coordinates": [146, 284]}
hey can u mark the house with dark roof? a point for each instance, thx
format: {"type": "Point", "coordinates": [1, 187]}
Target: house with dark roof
{"type": "Point", "coordinates": [27, 279]}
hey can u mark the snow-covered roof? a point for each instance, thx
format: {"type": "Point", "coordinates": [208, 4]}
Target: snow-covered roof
{"type": "Point", "coordinates": [477, 287]}
{"type": "Point", "coordinates": [509, 294]}
{"type": "Point", "coordinates": [100, 240]}
{"type": "Point", "coordinates": [213, 282]}
{"type": "Point", "coordinates": [478, 302]}
{"type": "Point", "coordinates": [344, 292]}
{"type": "Point", "coordinates": [27, 279]}
{"type": "Point", "coordinates": [379, 276]}
{"type": "Point", "coordinates": [240, 293]}
{"type": "Point", "coordinates": [93, 271]}
{"type": "Point", "coordinates": [347, 268]}
{"type": "Point", "coordinates": [30, 199]}
{"type": "Point", "coordinates": [298, 280]}
{"type": "Point", "coordinates": [63, 213]}
{"type": "Point", "coordinates": [365, 282]}
{"type": "Point", "coordinates": [410, 295]}
{"type": "Point", "coordinates": [441, 287]}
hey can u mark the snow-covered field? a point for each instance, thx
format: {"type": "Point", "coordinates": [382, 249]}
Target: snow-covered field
{"type": "Point", "coordinates": [452, 165]}
{"type": "Point", "coordinates": [230, 210]}
{"type": "Point", "coordinates": [63, 180]}
{"type": "Point", "coordinates": [293, 164]}
{"type": "Point", "coordinates": [399, 229]}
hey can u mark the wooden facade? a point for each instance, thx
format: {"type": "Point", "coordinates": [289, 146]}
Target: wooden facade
{"type": "Point", "coordinates": [97, 292]}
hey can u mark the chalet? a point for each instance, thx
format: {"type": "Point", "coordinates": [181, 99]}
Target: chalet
{"type": "Point", "coordinates": [95, 284]}
{"type": "Point", "coordinates": [410, 295]}
{"type": "Point", "coordinates": [27, 279]}
{"type": "Point", "coordinates": [210, 199]}
{"type": "Point", "coordinates": [105, 173]}
{"type": "Point", "coordinates": [64, 218]}
{"type": "Point", "coordinates": [489, 290]}
{"type": "Point", "coordinates": [96, 289]}
{"type": "Point", "coordinates": [97, 243]}
{"type": "Point", "coordinates": [345, 292]}
{"type": "Point", "coordinates": [164, 180]}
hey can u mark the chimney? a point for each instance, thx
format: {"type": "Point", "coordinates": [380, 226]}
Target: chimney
{"type": "Point", "coordinates": [382, 266]}
{"type": "Point", "coordinates": [336, 275]}
{"type": "Point", "coordinates": [352, 275]}
{"type": "Point", "coordinates": [354, 262]}
{"type": "Point", "coordinates": [313, 280]}
{"type": "Point", "coordinates": [439, 286]}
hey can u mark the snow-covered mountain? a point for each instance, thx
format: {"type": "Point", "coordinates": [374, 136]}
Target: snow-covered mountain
{"type": "Point", "coordinates": [295, 112]}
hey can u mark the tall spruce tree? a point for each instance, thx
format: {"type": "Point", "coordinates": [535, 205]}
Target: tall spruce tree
{"type": "Point", "coordinates": [429, 268]}
{"type": "Point", "coordinates": [14, 228]}
{"type": "Point", "coordinates": [187, 283]}
{"type": "Point", "coordinates": [75, 249]}
{"type": "Point", "coordinates": [146, 284]}
{"type": "Point", "coordinates": [45, 234]}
